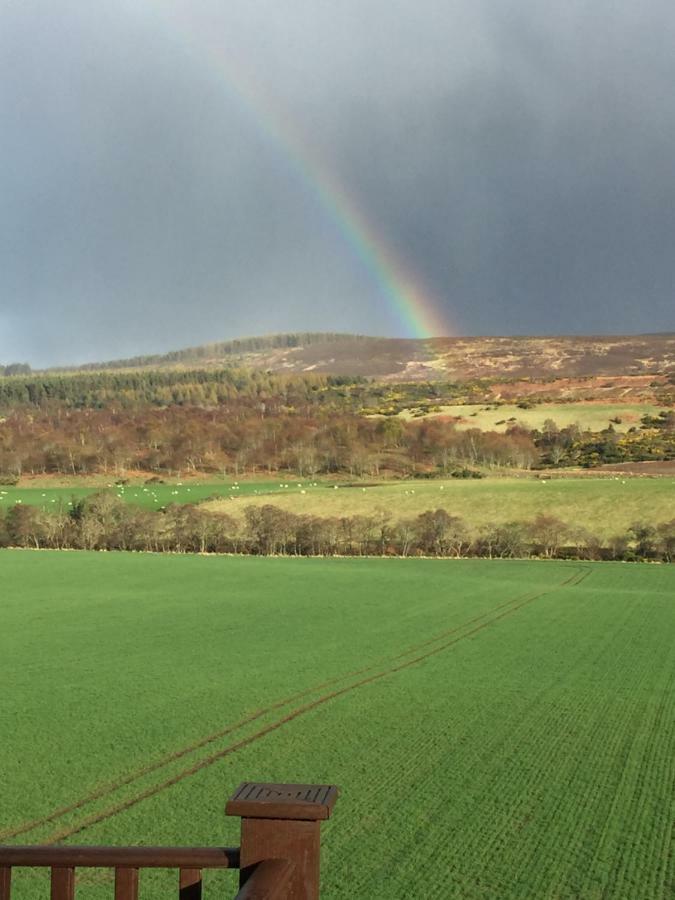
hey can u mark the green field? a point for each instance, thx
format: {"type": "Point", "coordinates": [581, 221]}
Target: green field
{"type": "Point", "coordinates": [604, 505]}
{"type": "Point", "coordinates": [151, 495]}
{"type": "Point", "coordinates": [498, 729]}
{"type": "Point", "coordinates": [588, 416]}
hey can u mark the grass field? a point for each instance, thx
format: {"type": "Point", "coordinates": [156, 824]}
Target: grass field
{"type": "Point", "coordinates": [149, 495]}
{"type": "Point", "coordinates": [589, 416]}
{"type": "Point", "coordinates": [498, 729]}
{"type": "Point", "coordinates": [604, 505]}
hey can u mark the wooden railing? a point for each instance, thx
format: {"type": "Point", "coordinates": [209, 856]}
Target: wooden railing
{"type": "Point", "coordinates": [278, 858]}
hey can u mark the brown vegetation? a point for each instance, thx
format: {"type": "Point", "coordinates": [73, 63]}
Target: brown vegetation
{"type": "Point", "coordinates": [241, 439]}
{"type": "Point", "coordinates": [459, 358]}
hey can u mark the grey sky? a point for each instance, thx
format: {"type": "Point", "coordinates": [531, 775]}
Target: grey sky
{"type": "Point", "coordinates": [516, 155]}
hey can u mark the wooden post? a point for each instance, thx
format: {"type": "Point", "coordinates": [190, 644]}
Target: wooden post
{"type": "Point", "coordinates": [63, 883]}
{"type": "Point", "coordinates": [126, 883]}
{"type": "Point", "coordinates": [190, 884]}
{"type": "Point", "coordinates": [5, 882]}
{"type": "Point", "coordinates": [282, 821]}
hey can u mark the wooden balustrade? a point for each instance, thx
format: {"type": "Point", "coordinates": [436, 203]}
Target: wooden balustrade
{"type": "Point", "coordinates": [278, 858]}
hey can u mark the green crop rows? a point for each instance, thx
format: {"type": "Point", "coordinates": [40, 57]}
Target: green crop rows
{"type": "Point", "coordinates": [498, 729]}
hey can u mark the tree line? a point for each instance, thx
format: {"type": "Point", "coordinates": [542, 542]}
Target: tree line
{"type": "Point", "coordinates": [238, 439]}
{"type": "Point", "coordinates": [104, 522]}
{"type": "Point", "coordinates": [236, 347]}
{"type": "Point", "coordinates": [212, 387]}
{"type": "Point", "coordinates": [219, 350]}
{"type": "Point", "coordinates": [168, 387]}
{"type": "Point", "coordinates": [15, 369]}
{"type": "Point", "coordinates": [242, 438]}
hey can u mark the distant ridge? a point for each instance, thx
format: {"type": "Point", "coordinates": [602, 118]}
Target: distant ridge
{"type": "Point", "coordinates": [224, 349]}
{"type": "Point", "coordinates": [425, 359]}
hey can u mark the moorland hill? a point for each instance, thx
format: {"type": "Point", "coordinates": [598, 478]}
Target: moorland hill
{"type": "Point", "coordinates": [401, 359]}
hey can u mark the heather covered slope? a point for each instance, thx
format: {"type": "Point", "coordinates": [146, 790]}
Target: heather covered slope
{"type": "Point", "coordinates": [461, 358]}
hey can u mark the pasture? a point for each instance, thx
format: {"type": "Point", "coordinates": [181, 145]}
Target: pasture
{"type": "Point", "coordinates": [589, 416]}
{"type": "Point", "coordinates": [497, 728]}
{"type": "Point", "coordinates": [150, 495]}
{"type": "Point", "coordinates": [605, 505]}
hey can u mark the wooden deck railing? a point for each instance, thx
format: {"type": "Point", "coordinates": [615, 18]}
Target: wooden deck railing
{"type": "Point", "coordinates": [278, 858]}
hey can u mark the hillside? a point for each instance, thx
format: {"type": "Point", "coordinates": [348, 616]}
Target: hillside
{"type": "Point", "coordinates": [456, 358]}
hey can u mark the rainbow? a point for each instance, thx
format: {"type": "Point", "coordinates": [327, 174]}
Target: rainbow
{"type": "Point", "coordinates": [417, 311]}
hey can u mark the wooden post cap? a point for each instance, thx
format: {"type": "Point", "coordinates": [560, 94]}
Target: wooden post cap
{"type": "Point", "coordinates": [256, 800]}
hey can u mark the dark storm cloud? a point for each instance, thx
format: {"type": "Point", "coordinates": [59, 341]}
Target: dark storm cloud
{"type": "Point", "coordinates": [516, 155]}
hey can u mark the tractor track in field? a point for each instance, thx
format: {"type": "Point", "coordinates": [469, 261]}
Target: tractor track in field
{"type": "Point", "coordinates": [480, 622]}
{"type": "Point", "coordinates": [113, 786]}
{"type": "Point", "coordinates": [174, 756]}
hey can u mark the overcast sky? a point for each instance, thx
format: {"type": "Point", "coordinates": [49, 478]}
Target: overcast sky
{"type": "Point", "coordinates": [515, 157]}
